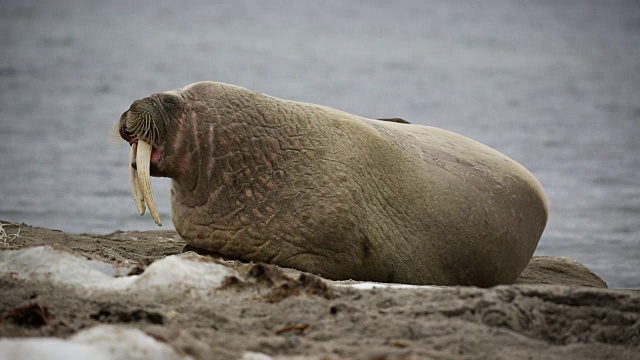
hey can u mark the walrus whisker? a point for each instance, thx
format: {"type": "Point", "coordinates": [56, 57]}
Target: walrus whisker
{"type": "Point", "coordinates": [114, 134]}
{"type": "Point", "coordinates": [138, 125]}
{"type": "Point", "coordinates": [144, 125]}
{"type": "Point", "coordinates": [149, 128]}
{"type": "Point", "coordinates": [155, 134]}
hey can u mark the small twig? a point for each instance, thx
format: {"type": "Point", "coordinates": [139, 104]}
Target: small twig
{"type": "Point", "coordinates": [6, 239]}
{"type": "Point", "coordinates": [300, 328]}
{"type": "Point", "coordinates": [398, 344]}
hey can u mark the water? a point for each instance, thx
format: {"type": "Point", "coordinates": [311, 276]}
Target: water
{"type": "Point", "coordinates": [554, 85]}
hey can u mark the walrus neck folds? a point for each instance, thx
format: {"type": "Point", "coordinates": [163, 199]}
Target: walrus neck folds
{"type": "Point", "coordinates": [242, 153]}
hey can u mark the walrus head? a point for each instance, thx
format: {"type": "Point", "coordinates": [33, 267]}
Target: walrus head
{"type": "Point", "coordinates": [214, 144]}
{"type": "Point", "coordinates": [150, 126]}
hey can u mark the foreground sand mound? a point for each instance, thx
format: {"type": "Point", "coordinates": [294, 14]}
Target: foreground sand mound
{"type": "Point", "coordinates": [137, 295]}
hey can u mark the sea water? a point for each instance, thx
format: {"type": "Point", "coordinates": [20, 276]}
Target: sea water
{"type": "Point", "coordinates": [553, 85]}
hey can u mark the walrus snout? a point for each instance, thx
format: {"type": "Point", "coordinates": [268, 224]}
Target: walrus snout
{"type": "Point", "coordinates": [147, 126]}
{"type": "Point", "coordinates": [139, 127]}
{"type": "Point", "coordinates": [127, 135]}
{"type": "Point", "coordinates": [140, 121]}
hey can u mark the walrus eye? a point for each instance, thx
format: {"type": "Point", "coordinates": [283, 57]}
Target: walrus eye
{"type": "Point", "coordinates": [169, 101]}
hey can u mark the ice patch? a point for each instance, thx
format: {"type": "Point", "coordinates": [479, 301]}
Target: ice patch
{"type": "Point", "coordinates": [44, 263]}
{"type": "Point", "coordinates": [168, 280]}
{"type": "Point", "coordinates": [177, 277]}
{"type": "Point", "coordinates": [103, 342]}
{"type": "Point", "coordinates": [250, 355]}
{"type": "Point", "coordinates": [369, 285]}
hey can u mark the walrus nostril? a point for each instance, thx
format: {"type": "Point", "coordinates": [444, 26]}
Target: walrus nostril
{"type": "Point", "coordinates": [127, 135]}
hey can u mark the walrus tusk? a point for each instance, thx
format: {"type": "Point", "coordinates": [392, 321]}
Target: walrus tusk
{"type": "Point", "coordinates": [143, 161]}
{"type": "Point", "coordinates": [135, 187]}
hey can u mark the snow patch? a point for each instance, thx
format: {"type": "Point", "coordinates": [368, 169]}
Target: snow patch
{"type": "Point", "coordinates": [103, 342]}
{"type": "Point", "coordinates": [44, 263]}
{"type": "Point", "coordinates": [168, 280]}
{"type": "Point", "coordinates": [177, 277]}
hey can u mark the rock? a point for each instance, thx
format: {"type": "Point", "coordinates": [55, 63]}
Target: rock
{"type": "Point", "coordinates": [559, 270]}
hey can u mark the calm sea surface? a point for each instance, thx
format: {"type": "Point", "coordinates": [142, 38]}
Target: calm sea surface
{"type": "Point", "coordinates": [553, 84]}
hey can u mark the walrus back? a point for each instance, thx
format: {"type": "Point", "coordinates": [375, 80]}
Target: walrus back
{"type": "Point", "coordinates": [481, 212]}
{"type": "Point", "coordinates": [440, 208]}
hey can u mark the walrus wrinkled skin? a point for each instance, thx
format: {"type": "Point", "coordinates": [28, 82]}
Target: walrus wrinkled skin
{"type": "Point", "coordinates": [324, 191]}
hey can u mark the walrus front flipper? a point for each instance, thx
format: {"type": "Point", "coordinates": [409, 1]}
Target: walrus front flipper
{"type": "Point", "coordinates": [396, 120]}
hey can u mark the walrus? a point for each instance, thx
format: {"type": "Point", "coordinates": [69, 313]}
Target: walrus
{"type": "Point", "coordinates": [317, 189]}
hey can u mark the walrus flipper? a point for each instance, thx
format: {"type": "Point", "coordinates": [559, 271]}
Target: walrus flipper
{"type": "Point", "coordinates": [396, 120]}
